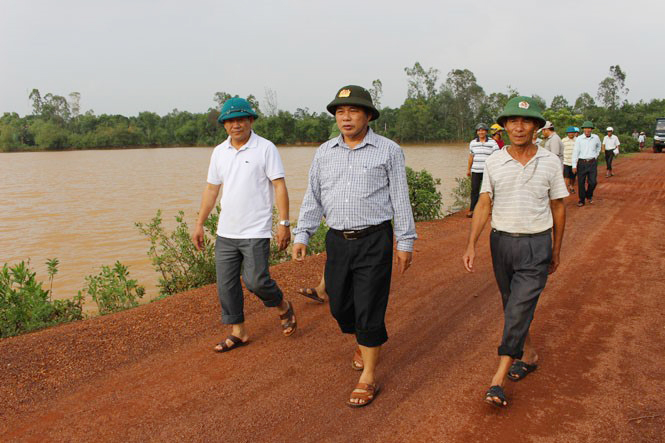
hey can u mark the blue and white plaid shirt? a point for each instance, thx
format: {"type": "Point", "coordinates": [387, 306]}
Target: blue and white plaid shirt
{"type": "Point", "coordinates": [358, 188]}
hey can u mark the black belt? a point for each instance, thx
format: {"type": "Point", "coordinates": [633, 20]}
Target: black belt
{"type": "Point", "coordinates": [354, 235]}
{"type": "Point", "coordinates": [513, 234]}
{"type": "Point", "coordinates": [587, 160]}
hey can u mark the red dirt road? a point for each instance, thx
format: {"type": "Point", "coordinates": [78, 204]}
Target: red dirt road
{"type": "Point", "coordinates": [149, 374]}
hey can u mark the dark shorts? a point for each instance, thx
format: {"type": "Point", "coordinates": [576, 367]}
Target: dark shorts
{"type": "Point", "coordinates": [568, 172]}
{"type": "Point", "coordinates": [358, 283]}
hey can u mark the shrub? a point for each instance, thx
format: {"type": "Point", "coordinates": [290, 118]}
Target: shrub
{"type": "Point", "coordinates": [112, 289]}
{"type": "Point", "coordinates": [174, 257]}
{"type": "Point", "coordinates": [462, 193]}
{"type": "Point", "coordinates": [25, 305]}
{"type": "Point", "coordinates": [425, 199]}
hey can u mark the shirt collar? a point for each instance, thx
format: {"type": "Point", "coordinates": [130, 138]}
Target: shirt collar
{"type": "Point", "coordinates": [370, 139]}
{"type": "Point", "coordinates": [251, 143]}
{"type": "Point", "coordinates": [506, 157]}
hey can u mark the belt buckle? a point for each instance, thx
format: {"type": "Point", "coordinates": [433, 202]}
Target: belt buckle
{"type": "Point", "coordinates": [346, 234]}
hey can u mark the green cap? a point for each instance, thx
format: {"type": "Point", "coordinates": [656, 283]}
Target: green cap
{"type": "Point", "coordinates": [236, 107]}
{"type": "Point", "coordinates": [587, 124]}
{"type": "Point", "coordinates": [521, 107]}
{"type": "Point", "coordinates": [353, 95]}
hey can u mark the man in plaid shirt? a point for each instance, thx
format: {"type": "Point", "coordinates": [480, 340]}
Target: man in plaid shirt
{"type": "Point", "coordinates": [357, 181]}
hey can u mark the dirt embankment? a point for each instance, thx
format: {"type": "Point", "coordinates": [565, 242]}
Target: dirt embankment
{"type": "Point", "coordinates": [149, 374]}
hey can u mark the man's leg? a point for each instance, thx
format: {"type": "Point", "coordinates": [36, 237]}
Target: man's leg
{"type": "Point", "coordinates": [593, 180]}
{"type": "Point", "coordinates": [582, 171]}
{"type": "Point", "coordinates": [476, 182]}
{"type": "Point", "coordinates": [372, 268]}
{"type": "Point", "coordinates": [228, 260]}
{"type": "Point", "coordinates": [256, 274]}
{"type": "Point", "coordinates": [338, 282]}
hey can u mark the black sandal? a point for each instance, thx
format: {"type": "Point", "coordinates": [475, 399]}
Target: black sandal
{"type": "Point", "coordinates": [311, 293]}
{"type": "Point", "coordinates": [237, 342]}
{"type": "Point", "coordinates": [291, 323]}
{"type": "Point", "coordinates": [519, 370]}
{"type": "Point", "coordinates": [493, 392]}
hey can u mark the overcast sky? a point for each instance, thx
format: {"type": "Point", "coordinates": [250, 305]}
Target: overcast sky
{"type": "Point", "coordinates": [128, 56]}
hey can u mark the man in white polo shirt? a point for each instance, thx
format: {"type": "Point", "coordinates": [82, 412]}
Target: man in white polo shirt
{"type": "Point", "coordinates": [611, 148]}
{"type": "Point", "coordinates": [524, 189]}
{"type": "Point", "coordinates": [251, 171]}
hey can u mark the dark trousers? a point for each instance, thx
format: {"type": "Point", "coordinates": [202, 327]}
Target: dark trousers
{"type": "Point", "coordinates": [476, 182]}
{"type": "Point", "coordinates": [358, 283]}
{"type": "Point", "coordinates": [609, 157]}
{"type": "Point", "coordinates": [252, 255]}
{"type": "Point", "coordinates": [520, 267]}
{"type": "Point", "coordinates": [587, 171]}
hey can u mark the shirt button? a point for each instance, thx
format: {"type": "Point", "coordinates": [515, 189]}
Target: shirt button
{"type": "Point", "coordinates": [349, 183]}
{"type": "Point", "coordinates": [347, 200]}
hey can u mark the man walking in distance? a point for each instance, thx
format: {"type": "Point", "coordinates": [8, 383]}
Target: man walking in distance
{"type": "Point", "coordinates": [480, 148]}
{"type": "Point", "coordinates": [568, 146]}
{"type": "Point", "coordinates": [587, 149]}
{"type": "Point", "coordinates": [496, 132]}
{"type": "Point", "coordinates": [552, 140]}
{"type": "Point", "coordinates": [358, 183]}
{"type": "Point", "coordinates": [523, 187]}
{"type": "Point", "coordinates": [252, 173]}
{"type": "Point", "coordinates": [610, 147]}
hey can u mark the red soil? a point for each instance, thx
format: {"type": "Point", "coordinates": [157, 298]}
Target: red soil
{"type": "Point", "coordinates": [149, 374]}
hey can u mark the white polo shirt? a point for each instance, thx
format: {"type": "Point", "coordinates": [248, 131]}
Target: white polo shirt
{"type": "Point", "coordinates": [611, 142]}
{"type": "Point", "coordinates": [246, 176]}
{"type": "Point", "coordinates": [521, 194]}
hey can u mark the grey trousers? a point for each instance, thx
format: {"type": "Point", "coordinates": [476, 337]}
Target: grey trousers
{"type": "Point", "coordinates": [520, 267]}
{"type": "Point", "coordinates": [252, 255]}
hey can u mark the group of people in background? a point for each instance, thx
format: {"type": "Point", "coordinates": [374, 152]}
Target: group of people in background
{"type": "Point", "coordinates": [357, 183]}
{"type": "Point", "coordinates": [577, 154]}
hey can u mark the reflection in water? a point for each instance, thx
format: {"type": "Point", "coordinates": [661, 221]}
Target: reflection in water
{"type": "Point", "coordinates": [81, 206]}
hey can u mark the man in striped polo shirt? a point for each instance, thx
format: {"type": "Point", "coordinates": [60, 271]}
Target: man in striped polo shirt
{"type": "Point", "coordinates": [480, 148]}
{"type": "Point", "coordinates": [524, 188]}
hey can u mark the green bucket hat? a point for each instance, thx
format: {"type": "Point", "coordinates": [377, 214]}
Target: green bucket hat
{"type": "Point", "coordinates": [353, 95]}
{"type": "Point", "coordinates": [236, 107]}
{"type": "Point", "coordinates": [587, 124]}
{"type": "Point", "coordinates": [521, 107]}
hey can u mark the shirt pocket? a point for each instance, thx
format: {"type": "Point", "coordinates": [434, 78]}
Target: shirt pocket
{"type": "Point", "coordinates": [373, 177]}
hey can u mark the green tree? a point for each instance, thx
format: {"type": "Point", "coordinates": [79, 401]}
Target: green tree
{"type": "Point", "coordinates": [559, 102]}
{"type": "Point", "coordinates": [613, 88]}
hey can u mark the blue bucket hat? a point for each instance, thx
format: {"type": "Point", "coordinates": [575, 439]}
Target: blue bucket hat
{"type": "Point", "coordinates": [571, 129]}
{"type": "Point", "coordinates": [236, 107]}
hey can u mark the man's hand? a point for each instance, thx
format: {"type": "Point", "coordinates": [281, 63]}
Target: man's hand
{"type": "Point", "coordinates": [468, 258]}
{"type": "Point", "coordinates": [197, 237]}
{"type": "Point", "coordinates": [468, 173]}
{"type": "Point", "coordinates": [574, 170]}
{"type": "Point", "coordinates": [554, 264]}
{"type": "Point", "coordinates": [403, 260]}
{"type": "Point", "coordinates": [283, 237]}
{"type": "Point", "coordinates": [299, 251]}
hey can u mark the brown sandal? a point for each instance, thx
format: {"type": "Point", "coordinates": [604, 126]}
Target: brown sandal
{"type": "Point", "coordinates": [311, 293]}
{"type": "Point", "coordinates": [357, 362]}
{"type": "Point", "coordinates": [223, 347]}
{"type": "Point", "coordinates": [370, 391]}
{"type": "Point", "coordinates": [291, 323]}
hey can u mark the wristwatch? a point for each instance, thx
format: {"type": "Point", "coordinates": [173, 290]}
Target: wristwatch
{"type": "Point", "coordinates": [285, 223]}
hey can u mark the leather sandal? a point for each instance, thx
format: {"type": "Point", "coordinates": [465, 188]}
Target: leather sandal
{"type": "Point", "coordinates": [368, 391]}
{"type": "Point", "coordinates": [357, 362]}
{"type": "Point", "coordinates": [223, 347]}
{"type": "Point", "coordinates": [311, 293]}
{"type": "Point", "coordinates": [291, 323]}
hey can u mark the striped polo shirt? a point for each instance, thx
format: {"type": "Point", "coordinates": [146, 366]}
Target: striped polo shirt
{"type": "Point", "coordinates": [521, 194]}
{"type": "Point", "coordinates": [480, 152]}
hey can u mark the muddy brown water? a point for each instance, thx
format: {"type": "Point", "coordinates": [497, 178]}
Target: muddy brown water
{"type": "Point", "coordinates": [81, 206]}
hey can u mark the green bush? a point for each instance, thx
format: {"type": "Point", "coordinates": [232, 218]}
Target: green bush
{"type": "Point", "coordinates": [425, 199]}
{"type": "Point", "coordinates": [25, 305]}
{"type": "Point", "coordinates": [174, 257]}
{"type": "Point", "coordinates": [462, 193]}
{"type": "Point", "coordinates": [112, 289]}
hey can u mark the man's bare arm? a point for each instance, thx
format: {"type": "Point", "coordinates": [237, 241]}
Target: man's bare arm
{"type": "Point", "coordinates": [208, 200]}
{"type": "Point", "coordinates": [481, 214]}
{"type": "Point", "coordinates": [559, 217]}
{"type": "Point", "coordinates": [282, 203]}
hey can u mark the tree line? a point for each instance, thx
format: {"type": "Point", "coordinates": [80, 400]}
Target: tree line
{"type": "Point", "coordinates": [435, 109]}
